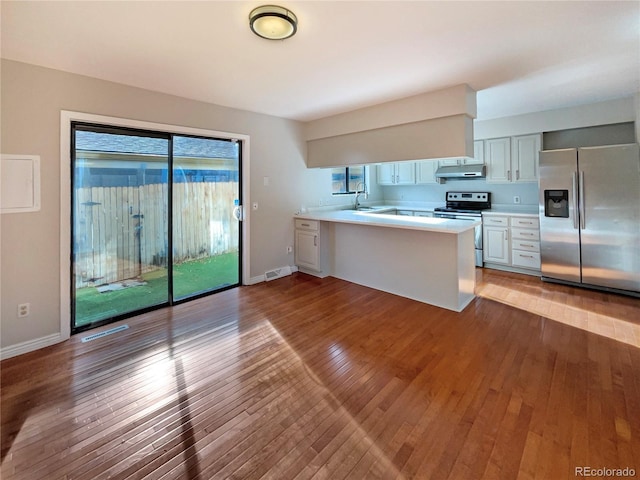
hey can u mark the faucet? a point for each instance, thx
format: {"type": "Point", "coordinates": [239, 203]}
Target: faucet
{"type": "Point", "coordinates": [358, 192]}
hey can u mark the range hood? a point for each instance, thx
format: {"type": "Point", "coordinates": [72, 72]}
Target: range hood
{"type": "Point", "coordinates": [461, 171]}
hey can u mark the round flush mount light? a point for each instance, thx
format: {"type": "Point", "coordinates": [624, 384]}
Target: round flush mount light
{"type": "Point", "coordinates": [273, 22]}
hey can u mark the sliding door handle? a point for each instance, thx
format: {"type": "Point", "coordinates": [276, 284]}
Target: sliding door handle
{"type": "Point", "coordinates": [238, 213]}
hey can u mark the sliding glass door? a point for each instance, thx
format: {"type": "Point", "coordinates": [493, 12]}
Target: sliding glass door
{"type": "Point", "coordinates": [206, 236]}
{"type": "Point", "coordinates": [152, 220]}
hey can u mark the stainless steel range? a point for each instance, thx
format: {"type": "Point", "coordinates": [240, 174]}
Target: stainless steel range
{"type": "Point", "coordinates": [467, 206]}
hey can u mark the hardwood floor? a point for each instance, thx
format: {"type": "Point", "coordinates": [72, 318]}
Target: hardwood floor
{"type": "Point", "coordinates": [308, 378]}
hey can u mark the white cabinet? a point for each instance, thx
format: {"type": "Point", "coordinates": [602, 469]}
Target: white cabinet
{"type": "Point", "coordinates": [386, 174]}
{"type": "Point", "coordinates": [478, 157]}
{"type": "Point", "coordinates": [512, 243]}
{"type": "Point", "coordinates": [450, 162]}
{"type": "Point", "coordinates": [307, 244]}
{"type": "Point", "coordinates": [420, 213]}
{"type": "Point", "coordinates": [478, 152]}
{"type": "Point", "coordinates": [524, 155]}
{"type": "Point", "coordinates": [497, 155]}
{"type": "Point", "coordinates": [426, 172]}
{"type": "Point", "coordinates": [397, 173]}
{"type": "Point", "coordinates": [495, 232]}
{"type": "Point", "coordinates": [513, 159]}
{"type": "Point", "coordinates": [525, 242]}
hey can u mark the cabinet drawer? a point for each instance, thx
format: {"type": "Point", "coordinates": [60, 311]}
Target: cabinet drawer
{"type": "Point", "coordinates": [525, 259]}
{"type": "Point", "coordinates": [496, 221]}
{"type": "Point", "coordinates": [528, 245]}
{"type": "Point", "coordinates": [525, 233]}
{"type": "Point", "coordinates": [423, 214]}
{"type": "Point", "coordinates": [525, 222]}
{"type": "Point", "coordinates": [307, 224]}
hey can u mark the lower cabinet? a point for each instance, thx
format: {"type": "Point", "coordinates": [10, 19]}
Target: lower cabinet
{"type": "Point", "coordinates": [422, 213]}
{"type": "Point", "coordinates": [525, 242]}
{"type": "Point", "coordinates": [307, 250]}
{"type": "Point", "coordinates": [495, 232]}
{"type": "Point", "coordinates": [512, 243]}
{"type": "Point", "coordinates": [311, 255]}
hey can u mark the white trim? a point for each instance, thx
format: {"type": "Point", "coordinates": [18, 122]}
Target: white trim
{"type": "Point", "coordinates": [256, 279]}
{"type": "Point", "coordinates": [66, 117]}
{"type": "Point", "coordinates": [30, 346]}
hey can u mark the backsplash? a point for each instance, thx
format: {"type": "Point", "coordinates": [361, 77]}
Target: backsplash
{"type": "Point", "coordinates": [500, 193]}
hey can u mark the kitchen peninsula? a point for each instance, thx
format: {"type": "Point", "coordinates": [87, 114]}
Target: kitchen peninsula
{"type": "Point", "coordinates": [427, 259]}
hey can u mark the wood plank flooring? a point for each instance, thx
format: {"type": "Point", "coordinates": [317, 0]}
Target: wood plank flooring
{"type": "Point", "coordinates": [306, 378]}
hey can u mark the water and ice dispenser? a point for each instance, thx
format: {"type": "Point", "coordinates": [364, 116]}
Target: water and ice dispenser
{"type": "Point", "coordinates": [556, 203]}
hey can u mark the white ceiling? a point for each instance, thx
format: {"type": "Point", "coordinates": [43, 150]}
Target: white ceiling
{"type": "Point", "coordinates": [520, 56]}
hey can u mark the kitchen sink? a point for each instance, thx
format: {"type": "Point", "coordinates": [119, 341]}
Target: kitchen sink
{"type": "Point", "coordinates": [371, 209]}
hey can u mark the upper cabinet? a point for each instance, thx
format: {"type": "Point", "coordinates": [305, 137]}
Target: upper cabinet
{"type": "Point", "coordinates": [478, 152]}
{"type": "Point", "coordinates": [478, 157]}
{"type": "Point", "coordinates": [426, 172]}
{"type": "Point", "coordinates": [512, 159]}
{"type": "Point", "coordinates": [397, 173]}
{"type": "Point", "coordinates": [497, 155]}
{"type": "Point", "coordinates": [524, 152]}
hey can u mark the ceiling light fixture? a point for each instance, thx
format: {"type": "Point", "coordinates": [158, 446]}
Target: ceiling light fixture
{"type": "Point", "coordinates": [273, 22]}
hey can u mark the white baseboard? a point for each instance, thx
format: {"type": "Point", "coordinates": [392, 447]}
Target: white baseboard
{"type": "Point", "coordinates": [508, 268]}
{"type": "Point", "coordinates": [254, 280]}
{"type": "Point", "coordinates": [30, 346]}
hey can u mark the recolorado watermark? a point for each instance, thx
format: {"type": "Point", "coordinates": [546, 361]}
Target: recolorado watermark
{"type": "Point", "coordinates": [627, 472]}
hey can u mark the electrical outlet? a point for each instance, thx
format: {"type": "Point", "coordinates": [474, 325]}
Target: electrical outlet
{"type": "Point", "coordinates": [24, 310]}
{"type": "Point", "coordinates": [516, 199]}
{"type": "Point", "coordinates": [255, 205]}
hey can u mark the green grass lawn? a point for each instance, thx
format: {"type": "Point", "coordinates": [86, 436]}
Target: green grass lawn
{"type": "Point", "coordinates": [189, 278]}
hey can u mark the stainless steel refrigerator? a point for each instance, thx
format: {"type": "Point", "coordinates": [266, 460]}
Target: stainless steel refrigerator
{"type": "Point", "coordinates": [590, 216]}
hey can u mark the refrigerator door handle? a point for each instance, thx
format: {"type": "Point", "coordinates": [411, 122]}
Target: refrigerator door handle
{"type": "Point", "coordinates": [582, 212]}
{"type": "Point", "coordinates": [575, 201]}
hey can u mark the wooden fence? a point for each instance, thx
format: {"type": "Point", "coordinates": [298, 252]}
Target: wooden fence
{"type": "Point", "coordinates": [122, 232]}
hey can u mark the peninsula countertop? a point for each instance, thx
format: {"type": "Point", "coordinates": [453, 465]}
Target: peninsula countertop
{"type": "Point", "coordinates": [378, 218]}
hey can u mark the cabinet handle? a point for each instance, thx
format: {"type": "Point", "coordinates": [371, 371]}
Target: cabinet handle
{"type": "Point", "coordinates": [305, 224]}
{"type": "Point", "coordinates": [527, 245]}
{"type": "Point", "coordinates": [526, 256]}
{"type": "Point", "coordinates": [315, 240]}
{"type": "Point", "coordinates": [506, 234]}
{"type": "Point", "coordinates": [517, 174]}
{"type": "Point", "coordinates": [509, 175]}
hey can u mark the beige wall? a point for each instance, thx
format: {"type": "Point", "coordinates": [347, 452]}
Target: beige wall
{"type": "Point", "coordinates": [32, 98]}
{"type": "Point", "coordinates": [601, 113]}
